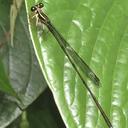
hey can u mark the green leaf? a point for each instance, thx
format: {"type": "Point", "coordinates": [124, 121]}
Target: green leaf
{"type": "Point", "coordinates": [98, 31]}
{"type": "Point", "coordinates": [21, 65]}
{"type": "Point", "coordinates": [5, 85]}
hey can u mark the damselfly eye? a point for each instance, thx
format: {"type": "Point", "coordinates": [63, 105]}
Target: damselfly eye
{"type": "Point", "coordinates": [33, 8]}
{"type": "Point", "coordinates": [41, 5]}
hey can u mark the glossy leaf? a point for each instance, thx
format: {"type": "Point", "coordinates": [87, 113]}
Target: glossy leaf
{"type": "Point", "coordinates": [98, 31]}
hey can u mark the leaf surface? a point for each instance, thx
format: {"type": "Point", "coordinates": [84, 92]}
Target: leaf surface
{"type": "Point", "coordinates": [98, 31]}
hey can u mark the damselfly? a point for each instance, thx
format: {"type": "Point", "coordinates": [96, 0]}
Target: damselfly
{"type": "Point", "coordinates": [78, 64]}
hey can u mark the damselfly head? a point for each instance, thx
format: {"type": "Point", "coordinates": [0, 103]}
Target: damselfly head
{"type": "Point", "coordinates": [37, 7]}
{"type": "Point", "coordinates": [40, 5]}
{"type": "Point", "coordinates": [33, 8]}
